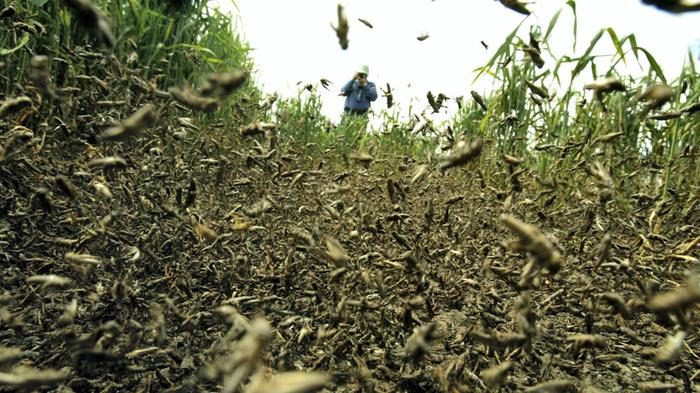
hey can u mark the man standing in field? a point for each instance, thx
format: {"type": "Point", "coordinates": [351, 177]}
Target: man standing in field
{"type": "Point", "coordinates": [359, 93]}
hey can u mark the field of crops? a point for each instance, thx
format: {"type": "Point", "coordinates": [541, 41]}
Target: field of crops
{"type": "Point", "coordinates": [165, 227]}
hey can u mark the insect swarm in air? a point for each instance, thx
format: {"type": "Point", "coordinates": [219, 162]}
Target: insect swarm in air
{"type": "Point", "coordinates": [229, 237]}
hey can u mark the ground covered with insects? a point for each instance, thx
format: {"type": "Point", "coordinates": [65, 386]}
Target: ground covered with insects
{"type": "Point", "coordinates": [146, 248]}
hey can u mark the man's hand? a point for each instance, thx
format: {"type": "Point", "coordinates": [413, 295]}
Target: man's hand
{"type": "Point", "coordinates": [362, 80]}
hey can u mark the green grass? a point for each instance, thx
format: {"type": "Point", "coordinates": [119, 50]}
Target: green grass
{"type": "Point", "coordinates": [557, 137]}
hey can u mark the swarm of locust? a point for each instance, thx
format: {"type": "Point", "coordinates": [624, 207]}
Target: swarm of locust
{"type": "Point", "coordinates": [243, 359]}
{"type": "Point", "coordinates": [544, 255]}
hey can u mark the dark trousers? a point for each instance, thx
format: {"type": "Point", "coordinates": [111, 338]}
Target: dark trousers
{"type": "Point", "coordinates": [356, 112]}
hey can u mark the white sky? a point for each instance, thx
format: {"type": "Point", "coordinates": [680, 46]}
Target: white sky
{"type": "Point", "coordinates": [293, 41]}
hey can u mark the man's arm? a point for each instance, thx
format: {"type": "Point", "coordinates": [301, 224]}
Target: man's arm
{"type": "Point", "coordinates": [348, 87]}
{"type": "Point", "coordinates": [371, 91]}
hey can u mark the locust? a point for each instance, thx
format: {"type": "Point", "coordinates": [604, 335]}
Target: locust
{"type": "Point", "coordinates": [538, 90]}
{"type": "Point", "coordinates": [479, 100]}
{"type": "Point", "coordinates": [205, 232]}
{"type": "Point", "coordinates": [545, 255]}
{"type": "Point", "coordinates": [27, 378]}
{"type": "Point", "coordinates": [516, 5]}
{"type": "Point", "coordinates": [188, 98]}
{"type": "Point", "coordinates": [388, 95]}
{"type": "Point", "coordinates": [13, 105]}
{"type": "Point", "coordinates": [50, 280]}
{"type": "Point", "coordinates": [675, 6]}
{"type": "Point", "coordinates": [617, 302]}
{"type": "Point", "coordinates": [587, 340]}
{"type": "Point", "coordinates": [82, 259]}
{"type": "Point", "coordinates": [434, 104]}
{"type": "Point", "coordinates": [677, 299]}
{"type": "Point", "coordinates": [553, 386]}
{"type": "Point", "coordinates": [102, 189]}
{"type": "Point", "coordinates": [657, 387]}
{"type": "Point", "coordinates": [603, 86]}
{"type": "Point", "coordinates": [525, 317]}
{"type": "Point", "coordinates": [603, 182]}
{"type": "Point", "coordinates": [142, 118]}
{"type": "Point", "coordinates": [107, 163]}
{"type": "Point", "coordinates": [343, 27]}
{"type": "Point", "coordinates": [260, 207]}
{"type": "Point", "coordinates": [66, 186]}
{"type": "Point", "coordinates": [366, 23]}
{"type": "Point", "coordinates": [93, 18]}
{"type": "Point", "coordinates": [302, 235]}
{"type": "Point", "coordinates": [69, 313]}
{"type": "Point", "coordinates": [420, 174]}
{"type": "Point", "coordinates": [534, 55]}
{"type": "Point", "coordinates": [40, 75]}
{"type": "Point", "coordinates": [335, 251]}
{"type": "Point", "coordinates": [495, 376]}
{"type": "Point", "coordinates": [10, 355]}
{"type": "Point", "coordinates": [361, 157]}
{"type": "Point", "coordinates": [418, 343]}
{"type": "Point", "coordinates": [288, 382]}
{"type": "Point", "coordinates": [325, 83]}
{"type": "Point", "coordinates": [462, 155]}
{"type": "Point", "coordinates": [656, 95]}
{"type": "Point", "coordinates": [223, 84]}
{"type": "Point", "coordinates": [256, 128]}
{"type": "Point", "coordinates": [672, 348]}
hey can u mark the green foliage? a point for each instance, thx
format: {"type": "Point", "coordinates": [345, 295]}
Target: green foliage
{"type": "Point", "coordinates": [161, 43]}
{"type": "Point", "coordinates": [565, 134]}
{"type": "Point", "coordinates": [168, 44]}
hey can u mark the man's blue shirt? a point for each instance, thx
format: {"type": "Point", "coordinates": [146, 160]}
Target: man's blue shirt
{"type": "Point", "coordinates": [358, 97]}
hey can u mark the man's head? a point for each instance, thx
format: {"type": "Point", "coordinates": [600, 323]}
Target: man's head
{"type": "Point", "coordinates": [363, 70]}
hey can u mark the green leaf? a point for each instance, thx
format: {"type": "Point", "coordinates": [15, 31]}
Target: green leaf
{"type": "Point", "coordinates": [502, 52]}
{"type": "Point", "coordinates": [551, 25]}
{"type": "Point", "coordinates": [594, 70]}
{"type": "Point", "coordinates": [586, 57]}
{"type": "Point", "coordinates": [616, 43]}
{"type": "Point", "coordinates": [633, 42]}
{"type": "Point", "coordinates": [653, 64]}
{"type": "Point", "coordinates": [572, 4]}
{"type": "Point", "coordinates": [39, 3]}
{"type": "Point", "coordinates": [562, 60]}
{"type": "Point", "coordinates": [22, 42]}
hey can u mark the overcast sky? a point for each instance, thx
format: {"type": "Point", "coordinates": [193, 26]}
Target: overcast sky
{"type": "Point", "coordinates": [293, 41]}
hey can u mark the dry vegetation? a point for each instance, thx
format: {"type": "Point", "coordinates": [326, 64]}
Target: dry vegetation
{"type": "Point", "coordinates": [148, 244]}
